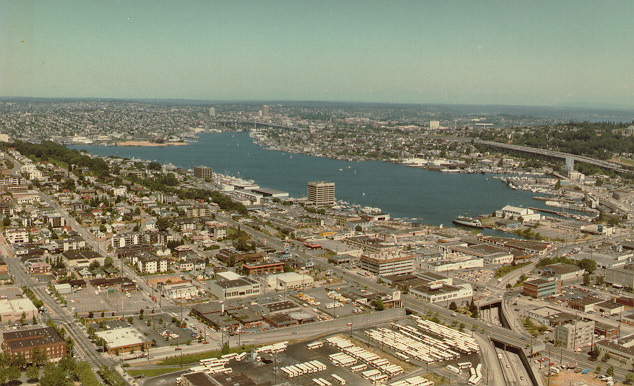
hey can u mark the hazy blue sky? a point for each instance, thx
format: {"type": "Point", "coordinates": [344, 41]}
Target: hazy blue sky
{"type": "Point", "coordinates": [526, 52]}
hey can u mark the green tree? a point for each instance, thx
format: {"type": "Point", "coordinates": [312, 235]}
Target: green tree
{"type": "Point", "coordinates": [474, 310]}
{"type": "Point", "coordinates": [589, 265]}
{"type": "Point", "coordinates": [225, 348]}
{"type": "Point", "coordinates": [610, 371]}
{"type": "Point", "coordinates": [162, 223]}
{"type": "Point", "coordinates": [6, 221]}
{"type": "Point", "coordinates": [19, 360]}
{"type": "Point", "coordinates": [67, 364]}
{"type": "Point", "coordinates": [586, 279]}
{"type": "Point", "coordinates": [629, 377]}
{"type": "Point", "coordinates": [32, 373]}
{"type": "Point", "coordinates": [378, 305]}
{"type": "Point", "coordinates": [54, 376]}
{"type": "Point", "coordinates": [94, 265]}
{"type": "Point", "coordinates": [453, 306]}
{"type": "Point", "coordinates": [13, 373]}
{"type": "Point", "coordinates": [39, 357]}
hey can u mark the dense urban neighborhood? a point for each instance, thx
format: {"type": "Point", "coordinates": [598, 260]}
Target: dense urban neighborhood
{"type": "Point", "coordinates": [129, 271]}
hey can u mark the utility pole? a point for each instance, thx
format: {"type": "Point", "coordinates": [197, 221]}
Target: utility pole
{"type": "Point", "coordinates": [548, 366]}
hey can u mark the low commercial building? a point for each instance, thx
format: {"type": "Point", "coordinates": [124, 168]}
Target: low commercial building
{"type": "Point", "coordinates": [124, 340]}
{"type": "Point", "coordinates": [585, 304]}
{"type": "Point", "coordinates": [540, 288]}
{"type": "Point", "coordinates": [289, 281]}
{"type": "Point", "coordinates": [451, 265]}
{"type": "Point", "coordinates": [621, 350]}
{"type": "Point", "coordinates": [609, 308]}
{"type": "Point", "coordinates": [439, 292]}
{"type": "Point", "coordinates": [235, 288]}
{"type": "Point", "coordinates": [344, 259]}
{"type": "Point", "coordinates": [180, 291]}
{"type": "Point", "coordinates": [263, 267]}
{"type": "Point", "coordinates": [566, 273]}
{"type": "Point", "coordinates": [373, 246]}
{"type": "Point", "coordinates": [606, 331]}
{"type": "Point", "coordinates": [281, 307]}
{"type": "Point", "coordinates": [82, 259]}
{"type": "Point", "coordinates": [549, 316]}
{"type": "Point", "coordinates": [575, 334]}
{"type": "Point", "coordinates": [620, 276]}
{"type": "Point", "coordinates": [26, 342]}
{"type": "Point", "coordinates": [13, 310]}
{"type": "Point", "coordinates": [490, 253]}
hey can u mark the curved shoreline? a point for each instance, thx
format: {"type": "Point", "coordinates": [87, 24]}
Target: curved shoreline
{"type": "Point", "coordinates": [149, 144]}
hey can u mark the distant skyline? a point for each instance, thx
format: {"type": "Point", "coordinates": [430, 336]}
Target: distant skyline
{"type": "Point", "coordinates": [540, 53]}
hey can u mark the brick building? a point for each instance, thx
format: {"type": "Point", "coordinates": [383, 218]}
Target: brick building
{"type": "Point", "coordinates": [26, 342]}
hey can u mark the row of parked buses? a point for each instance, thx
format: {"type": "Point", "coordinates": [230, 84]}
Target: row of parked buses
{"type": "Point", "coordinates": [298, 369]}
{"type": "Point", "coordinates": [323, 382]}
{"type": "Point", "coordinates": [476, 374]}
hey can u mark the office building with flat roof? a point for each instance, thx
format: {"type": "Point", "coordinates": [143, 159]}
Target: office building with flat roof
{"type": "Point", "coordinates": [25, 342]}
{"type": "Point", "coordinates": [575, 334]}
{"type": "Point", "coordinates": [204, 172]}
{"type": "Point", "coordinates": [388, 265]}
{"type": "Point", "coordinates": [321, 193]}
{"type": "Point", "coordinates": [540, 288]}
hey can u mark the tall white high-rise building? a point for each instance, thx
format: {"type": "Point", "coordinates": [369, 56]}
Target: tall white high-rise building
{"type": "Point", "coordinates": [212, 111]}
{"type": "Point", "coordinates": [321, 193]}
{"type": "Point", "coordinates": [570, 163]}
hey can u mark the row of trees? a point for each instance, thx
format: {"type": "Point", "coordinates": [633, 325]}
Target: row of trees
{"type": "Point", "coordinates": [589, 265]}
{"type": "Point", "coordinates": [50, 151]}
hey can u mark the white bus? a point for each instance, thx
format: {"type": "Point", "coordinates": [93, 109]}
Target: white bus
{"type": "Point", "coordinates": [338, 379]}
{"type": "Point", "coordinates": [357, 368]}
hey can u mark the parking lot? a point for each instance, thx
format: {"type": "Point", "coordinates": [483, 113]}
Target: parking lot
{"type": "Point", "coordinates": [262, 371]}
{"type": "Point", "coordinates": [160, 329]}
{"type": "Point", "coordinates": [332, 306]}
{"type": "Point", "coordinates": [92, 300]}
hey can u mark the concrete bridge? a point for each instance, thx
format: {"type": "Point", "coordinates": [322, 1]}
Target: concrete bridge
{"type": "Point", "coordinates": [556, 154]}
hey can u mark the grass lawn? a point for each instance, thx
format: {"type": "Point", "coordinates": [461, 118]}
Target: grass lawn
{"type": "Point", "coordinates": [148, 373]}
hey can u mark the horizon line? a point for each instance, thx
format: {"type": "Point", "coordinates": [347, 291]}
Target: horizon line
{"type": "Point", "coordinates": [316, 101]}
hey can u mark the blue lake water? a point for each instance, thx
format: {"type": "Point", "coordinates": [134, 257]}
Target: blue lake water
{"type": "Point", "coordinates": [402, 191]}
